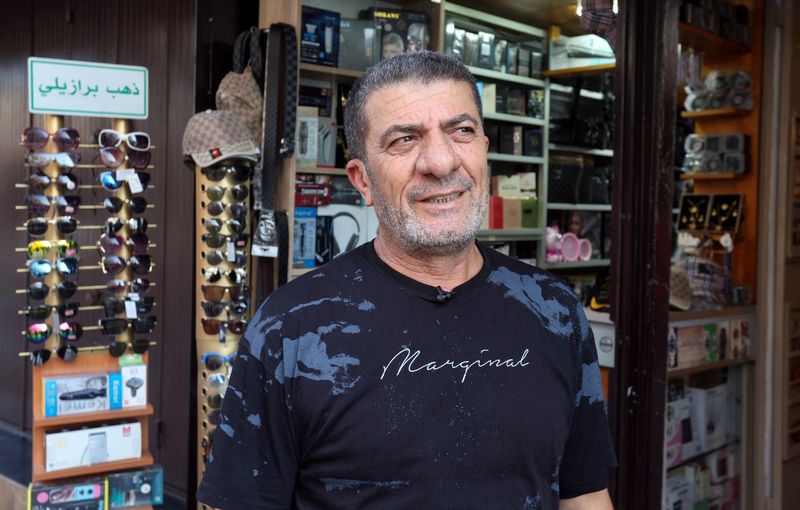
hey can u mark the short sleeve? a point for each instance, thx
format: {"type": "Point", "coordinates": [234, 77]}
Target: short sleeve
{"type": "Point", "coordinates": [253, 462]}
{"type": "Point", "coordinates": [588, 453]}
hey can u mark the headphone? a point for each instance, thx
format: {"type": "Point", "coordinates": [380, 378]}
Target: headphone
{"type": "Point", "coordinates": [353, 241]}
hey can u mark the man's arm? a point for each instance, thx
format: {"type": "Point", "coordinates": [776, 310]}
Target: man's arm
{"type": "Point", "coordinates": [599, 500]}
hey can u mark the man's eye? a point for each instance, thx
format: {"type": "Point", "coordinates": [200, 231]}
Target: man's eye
{"type": "Point", "coordinates": [465, 130]}
{"type": "Point", "coordinates": [403, 140]}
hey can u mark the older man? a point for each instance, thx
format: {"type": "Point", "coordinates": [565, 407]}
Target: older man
{"type": "Point", "coordinates": [420, 370]}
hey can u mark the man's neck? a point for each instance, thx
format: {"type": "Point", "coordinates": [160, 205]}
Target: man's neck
{"type": "Point", "coordinates": [446, 271]}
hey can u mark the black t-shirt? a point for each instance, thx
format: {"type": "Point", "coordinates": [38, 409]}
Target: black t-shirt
{"type": "Point", "coordinates": [357, 387]}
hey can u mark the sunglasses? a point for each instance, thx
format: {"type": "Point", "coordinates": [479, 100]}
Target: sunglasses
{"type": "Point", "coordinates": [38, 226]}
{"type": "Point", "coordinates": [238, 211]}
{"type": "Point", "coordinates": [38, 250]}
{"type": "Point", "coordinates": [42, 312]}
{"type": "Point", "coordinates": [66, 352]}
{"type": "Point", "coordinates": [135, 225]}
{"type": "Point", "coordinates": [216, 258]}
{"type": "Point", "coordinates": [39, 332]}
{"type": "Point", "coordinates": [114, 157]}
{"type": "Point", "coordinates": [40, 290]}
{"type": "Point", "coordinates": [214, 360]}
{"type": "Point", "coordinates": [139, 346]}
{"type": "Point", "coordinates": [137, 140]}
{"type": "Point", "coordinates": [66, 139]}
{"type": "Point", "coordinates": [115, 306]}
{"type": "Point", "coordinates": [214, 308]}
{"type": "Point", "coordinates": [214, 401]}
{"type": "Point", "coordinates": [39, 181]}
{"type": "Point", "coordinates": [219, 240]}
{"type": "Point", "coordinates": [218, 172]}
{"type": "Point", "coordinates": [217, 381]}
{"type": "Point", "coordinates": [216, 292]}
{"type": "Point", "coordinates": [39, 205]}
{"type": "Point", "coordinates": [114, 264]}
{"type": "Point", "coordinates": [238, 192]}
{"type": "Point", "coordinates": [109, 181]}
{"type": "Point", "coordinates": [137, 285]}
{"type": "Point", "coordinates": [40, 268]}
{"type": "Point", "coordinates": [117, 326]}
{"type": "Point", "coordinates": [111, 244]}
{"type": "Point", "coordinates": [113, 205]}
{"type": "Point", "coordinates": [40, 160]}
{"type": "Point", "coordinates": [214, 326]}
{"type": "Point", "coordinates": [235, 276]}
{"type": "Point", "coordinates": [235, 225]}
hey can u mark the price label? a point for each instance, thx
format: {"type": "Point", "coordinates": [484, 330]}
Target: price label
{"type": "Point", "coordinates": [130, 309]}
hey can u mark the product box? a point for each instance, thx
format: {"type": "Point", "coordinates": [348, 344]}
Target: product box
{"type": "Point", "coordinates": [535, 106]}
{"type": "Point", "coordinates": [527, 184]}
{"type": "Point", "coordinates": [471, 48]}
{"type": "Point", "coordinates": [493, 133]}
{"type": "Point", "coordinates": [326, 142]}
{"type": "Point", "coordinates": [593, 51]}
{"type": "Point", "coordinates": [523, 62]}
{"type": "Point", "coordinates": [691, 347]}
{"type": "Point", "coordinates": [84, 495]}
{"type": "Point", "coordinates": [740, 333]}
{"type": "Point", "coordinates": [75, 394]}
{"type": "Point", "coordinates": [530, 212]}
{"type": "Point", "coordinates": [323, 252]}
{"type": "Point", "coordinates": [532, 142]}
{"type": "Point", "coordinates": [511, 140]}
{"type": "Point", "coordinates": [319, 36]}
{"type": "Point", "coordinates": [142, 487]}
{"type": "Point", "coordinates": [709, 418]}
{"type": "Point", "coordinates": [134, 382]}
{"type": "Point", "coordinates": [678, 490]}
{"type": "Point", "coordinates": [85, 447]}
{"type": "Point", "coordinates": [398, 30]}
{"type": "Point", "coordinates": [512, 213]}
{"type": "Point", "coordinates": [495, 212]}
{"type": "Point", "coordinates": [515, 101]}
{"type": "Point", "coordinates": [486, 50]}
{"type": "Point", "coordinates": [488, 93]}
{"type": "Point", "coordinates": [350, 225]}
{"type": "Point", "coordinates": [537, 64]}
{"type": "Point", "coordinates": [306, 137]}
{"type": "Point", "coordinates": [506, 186]}
{"type": "Point", "coordinates": [710, 339]}
{"type": "Point", "coordinates": [500, 99]}
{"type": "Point", "coordinates": [511, 58]}
{"type": "Point", "coordinates": [357, 44]}
{"type": "Point", "coordinates": [500, 55]}
{"type": "Point", "coordinates": [723, 340]}
{"type": "Point", "coordinates": [677, 430]}
{"type": "Point", "coordinates": [316, 97]}
{"type": "Point", "coordinates": [305, 228]}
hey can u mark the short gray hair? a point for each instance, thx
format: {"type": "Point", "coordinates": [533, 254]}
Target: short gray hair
{"type": "Point", "coordinates": [423, 67]}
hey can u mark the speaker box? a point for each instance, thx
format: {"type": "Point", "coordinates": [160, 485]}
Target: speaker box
{"type": "Point", "coordinates": [734, 142]}
{"type": "Point", "coordinates": [735, 162]}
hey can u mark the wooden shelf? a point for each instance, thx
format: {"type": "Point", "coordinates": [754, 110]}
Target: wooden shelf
{"type": "Point", "coordinates": [506, 77]}
{"type": "Point", "coordinates": [511, 158]}
{"type": "Point", "coordinates": [40, 475]}
{"type": "Point", "coordinates": [511, 234]}
{"type": "Point", "coordinates": [709, 176]}
{"type": "Point", "coordinates": [321, 170]}
{"type": "Point", "coordinates": [718, 112]}
{"type": "Point", "coordinates": [698, 39]}
{"type": "Point", "coordinates": [491, 19]}
{"type": "Point", "coordinates": [605, 153]}
{"type": "Point", "coordinates": [519, 119]}
{"type": "Point", "coordinates": [579, 264]}
{"type": "Point", "coordinates": [325, 71]}
{"type": "Point", "coordinates": [681, 372]}
{"type": "Point", "coordinates": [579, 207]}
{"type": "Point", "coordinates": [723, 313]}
{"type": "Point", "coordinates": [101, 416]}
{"type": "Point", "coordinates": [579, 71]}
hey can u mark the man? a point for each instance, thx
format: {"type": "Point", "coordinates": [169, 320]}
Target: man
{"type": "Point", "coordinates": [420, 370]}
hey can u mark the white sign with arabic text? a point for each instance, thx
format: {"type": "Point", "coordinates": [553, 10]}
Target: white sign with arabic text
{"type": "Point", "coordinates": [87, 89]}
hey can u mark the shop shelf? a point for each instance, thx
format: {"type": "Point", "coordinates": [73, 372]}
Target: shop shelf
{"type": "Point", "coordinates": [519, 119]}
{"type": "Point", "coordinates": [699, 456]}
{"type": "Point", "coordinates": [490, 19]}
{"type": "Point", "coordinates": [101, 416]}
{"type": "Point", "coordinates": [605, 153]}
{"type": "Point", "coordinates": [326, 72]}
{"type": "Point", "coordinates": [701, 40]}
{"type": "Point", "coordinates": [718, 112]}
{"type": "Point", "coordinates": [579, 207]}
{"type": "Point", "coordinates": [710, 176]}
{"type": "Point", "coordinates": [40, 475]}
{"type": "Point", "coordinates": [566, 89]}
{"type": "Point", "coordinates": [506, 77]}
{"type": "Point", "coordinates": [515, 234]}
{"type": "Point", "coordinates": [580, 264]}
{"type": "Point", "coordinates": [579, 71]}
{"type": "Point", "coordinates": [682, 372]}
{"type": "Point", "coordinates": [723, 313]}
{"type": "Point", "coordinates": [509, 158]}
{"type": "Point", "coordinates": [321, 170]}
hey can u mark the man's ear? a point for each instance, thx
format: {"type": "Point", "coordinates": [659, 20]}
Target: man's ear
{"type": "Point", "coordinates": [357, 173]}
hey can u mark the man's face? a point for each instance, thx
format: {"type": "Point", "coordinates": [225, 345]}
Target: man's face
{"type": "Point", "coordinates": [426, 165]}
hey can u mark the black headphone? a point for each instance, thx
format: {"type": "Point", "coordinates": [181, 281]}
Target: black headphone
{"type": "Point", "coordinates": [353, 239]}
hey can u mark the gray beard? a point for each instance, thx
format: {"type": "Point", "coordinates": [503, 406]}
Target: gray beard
{"type": "Point", "coordinates": [413, 236]}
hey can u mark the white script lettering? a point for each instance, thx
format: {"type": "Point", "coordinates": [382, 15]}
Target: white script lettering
{"type": "Point", "coordinates": [409, 363]}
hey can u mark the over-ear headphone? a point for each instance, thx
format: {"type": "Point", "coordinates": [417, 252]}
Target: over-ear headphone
{"type": "Point", "coordinates": [353, 239]}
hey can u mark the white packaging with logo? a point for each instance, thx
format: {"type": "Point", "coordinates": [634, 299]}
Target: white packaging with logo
{"type": "Point", "coordinates": [85, 447]}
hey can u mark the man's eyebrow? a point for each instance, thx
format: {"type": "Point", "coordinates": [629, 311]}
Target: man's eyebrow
{"type": "Point", "coordinates": [398, 128]}
{"type": "Point", "coordinates": [464, 117]}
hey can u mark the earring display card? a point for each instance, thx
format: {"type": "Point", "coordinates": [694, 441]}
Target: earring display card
{"type": "Point", "coordinates": [725, 213]}
{"type": "Point", "coordinates": [693, 212]}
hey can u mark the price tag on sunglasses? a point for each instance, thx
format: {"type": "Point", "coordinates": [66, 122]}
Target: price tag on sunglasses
{"type": "Point", "coordinates": [123, 174]}
{"type": "Point", "coordinates": [135, 184]}
{"type": "Point", "coordinates": [133, 296]}
{"type": "Point", "coordinates": [231, 252]}
{"type": "Point", "coordinates": [130, 309]}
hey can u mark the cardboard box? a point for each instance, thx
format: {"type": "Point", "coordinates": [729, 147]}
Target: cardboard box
{"type": "Point", "coordinates": [511, 58]}
{"type": "Point", "coordinates": [678, 490]}
{"type": "Point", "coordinates": [709, 417]}
{"type": "Point", "coordinates": [678, 431]}
{"type": "Point", "coordinates": [138, 488]}
{"type": "Point", "coordinates": [326, 142]}
{"type": "Point", "coordinates": [691, 346]}
{"type": "Point", "coordinates": [358, 47]}
{"type": "Point", "coordinates": [530, 213]}
{"type": "Point", "coordinates": [532, 142]}
{"type": "Point", "coordinates": [306, 147]}
{"type": "Point", "coordinates": [512, 213]}
{"type": "Point", "coordinates": [305, 228]}
{"type": "Point", "coordinates": [594, 51]}
{"type": "Point", "coordinates": [523, 62]}
{"type": "Point", "coordinates": [319, 36]}
{"type": "Point", "coordinates": [511, 140]}
{"type": "Point", "coordinates": [486, 50]}
{"type": "Point", "coordinates": [94, 445]}
{"type": "Point", "coordinates": [515, 101]}
{"type": "Point", "coordinates": [500, 55]}
{"type": "Point", "coordinates": [495, 212]}
{"type": "Point", "coordinates": [488, 93]}
{"type": "Point", "coordinates": [528, 184]}
{"type": "Point", "coordinates": [65, 395]}
{"type": "Point", "coordinates": [398, 30]}
{"type": "Point", "coordinates": [316, 97]}
{"type": "Point", "coordinates": [87, 494]}
{"type": "Point", "coordinates": [710, 337]}
{"type": "Point", "coordinates": [506, 186]}
{"type": "Point", "coordinates": [134, 382]}
{"type": "Point", "coordinates": [535, 106]}
{"type": "Point", "coordinates": [471, 48]}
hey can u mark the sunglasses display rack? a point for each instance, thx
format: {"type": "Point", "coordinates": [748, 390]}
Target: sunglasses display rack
{"type": "Point", "coordinates": [222, 294]}
{"type": "Point", "coordinates": [59, 357]}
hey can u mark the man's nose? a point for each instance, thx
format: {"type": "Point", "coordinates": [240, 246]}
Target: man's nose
{"type": "Point", "coordinates": [438, 155]}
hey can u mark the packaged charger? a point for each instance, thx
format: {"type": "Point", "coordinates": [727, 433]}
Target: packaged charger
{"type": "Point", "coordinates": [75, 394]}
{"type": "Point", "coordinates": [93, 445]}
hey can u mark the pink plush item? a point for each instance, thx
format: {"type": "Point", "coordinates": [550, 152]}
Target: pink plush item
{"type": "Point", "coordinates": [553, 239]}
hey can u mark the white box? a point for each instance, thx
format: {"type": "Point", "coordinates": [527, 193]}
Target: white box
{"type": "Point", "coordinates": [306, 136]}
{"type": "Point", "coordinates": [75, 394]}
{"type": "Point", "coordinates": [85, 447]}
{"type": "Point", "coordinates": [594, 51]}
{"type": "Point", "coordinates": [709, 416]}
{"type": "Point", "coordinates": [678, 493]}
{"type": "Point", "coordinates": [134, 385]}
{"type": "Point", "coordinates": [677, 431]}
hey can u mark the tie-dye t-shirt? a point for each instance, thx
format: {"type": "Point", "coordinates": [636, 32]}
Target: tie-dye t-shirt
{"type": "Point", "coordinates": [355, 387]}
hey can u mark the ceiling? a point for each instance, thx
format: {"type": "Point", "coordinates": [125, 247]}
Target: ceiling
{"type": "Point", "coordinates": [539, 13]}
